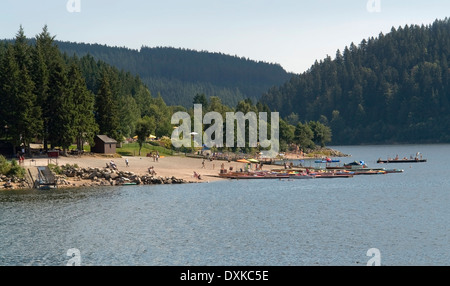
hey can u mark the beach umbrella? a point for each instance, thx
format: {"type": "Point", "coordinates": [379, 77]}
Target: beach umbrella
{"type": "Point", "coordinates": [152, 137]}
{"type": "Point", "coordinates": [243, 161]}
{"type": "Point", "coordinates": [253, 160]}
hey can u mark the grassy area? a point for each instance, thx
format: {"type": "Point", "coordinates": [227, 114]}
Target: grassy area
{"type": "Point", "coordinates": [87, 148]}
{"type": "Point", "coordinates": [132, 149]}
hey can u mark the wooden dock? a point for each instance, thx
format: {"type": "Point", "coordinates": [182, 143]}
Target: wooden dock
{"type": "Point", "coordinates": [45, 179]}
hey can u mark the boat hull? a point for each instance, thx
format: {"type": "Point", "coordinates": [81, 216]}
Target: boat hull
{"type": "Point", "coordinates": [401, 161]}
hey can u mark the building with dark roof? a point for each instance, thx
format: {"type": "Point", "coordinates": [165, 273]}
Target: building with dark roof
{"type": "Point", "coordinates": [104, 145]}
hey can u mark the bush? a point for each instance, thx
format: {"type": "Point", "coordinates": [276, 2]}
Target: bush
{"type": "Point", "coordinates": [5, 166]}
{"type": "Point", "coordinates": [166, 142]}
{"type": "Point", "coordinates": [55, 169]}
{"type": "Point", "coordinates": [16, 170]}
{"type": "Point", "coordinates": [154, 143]}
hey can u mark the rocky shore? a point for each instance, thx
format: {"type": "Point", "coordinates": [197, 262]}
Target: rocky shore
{"type": "Point", "coordinates": [89, 171]}
{"type": "Point", "coordinates": [12, 182]}
{"type": "Point", "coordinates": [85, 177]}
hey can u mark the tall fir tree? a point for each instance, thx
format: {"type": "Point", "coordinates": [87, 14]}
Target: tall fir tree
{"type": "Point", "coordinates": [44, 54]}
{"type": "Point", "coordinates": [30, 112]}
{"type": "Point", "coordinates": [9, 78]}
{"type": "Point", "coordinates": [107, 110]}
{"type": "Point", "coordinates": [60, 107]}
{"type": "Point", "coordinates": [20, 112]}
{"type": "Point", "coordinates": [83, 121]}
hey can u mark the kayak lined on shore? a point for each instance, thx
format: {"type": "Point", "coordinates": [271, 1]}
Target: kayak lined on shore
{"type": "Point", "coordinates": [401, 161]}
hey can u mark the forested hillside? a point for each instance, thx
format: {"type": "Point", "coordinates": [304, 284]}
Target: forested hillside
{"type": "Point", "coordinates": [59, 99]}
{"type": "Point", "coordinates": [180, 74]}
{"type": "Point", "coordinates": [47, 96]}
{"type": "Point", "coordinates": [390, 89]}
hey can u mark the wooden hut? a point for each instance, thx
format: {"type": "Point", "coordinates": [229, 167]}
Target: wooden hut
{"type": "Point", "coordinates": [104, 145]}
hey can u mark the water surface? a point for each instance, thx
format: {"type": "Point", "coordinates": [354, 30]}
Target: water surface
{"type": "Point", "coordinates": [233, 223]}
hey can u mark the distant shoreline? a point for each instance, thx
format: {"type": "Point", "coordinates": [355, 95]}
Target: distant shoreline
{"type": "Point", "coordinates": [178, 167]}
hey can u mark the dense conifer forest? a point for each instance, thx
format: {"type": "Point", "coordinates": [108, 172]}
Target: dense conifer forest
{"type": "Point", "coordinates": [391, 89]}
{"type": "Point", "coordinates": [180, 74]}
{"type": "Point", "coordinates": [52, 97]}
{"type": "Point", "coordinates": [47, 96]}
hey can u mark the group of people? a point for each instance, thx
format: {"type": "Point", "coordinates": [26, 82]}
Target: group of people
{"type": "Point", "coordinates": [155, 156]}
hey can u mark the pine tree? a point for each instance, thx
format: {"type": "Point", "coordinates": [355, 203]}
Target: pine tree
{"type": "Point", "coordinates": [22, 50]}
{"type": "Point", "coordinates": [19, 109]}
{"type": "Point", "coordinates": [83, 121]}
{"type": "Point", "coordinates": [9, 78]}
{"type": "Point", "coordinates": [29, 112]}
{"type": "Point", "coordinates": [44, 55]}
{"type": "Point", "coordinates": [107, 110]}
{"type": "Point", "coordinates": [60, 107]}
{"type": "Point", "coordinates": [304, 136]}
{"type": "Point", "coordinates": [129, 114]}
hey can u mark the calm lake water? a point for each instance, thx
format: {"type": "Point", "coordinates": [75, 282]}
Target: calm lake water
{"type": "Point", "coordinates": [242, 223]}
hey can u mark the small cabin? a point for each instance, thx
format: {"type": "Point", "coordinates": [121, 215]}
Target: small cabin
{"type": "Point", "coordinates": [104, 145]}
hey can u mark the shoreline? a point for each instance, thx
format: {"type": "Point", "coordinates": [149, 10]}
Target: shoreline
{"type": "Point", "coordinates": [176, 169]}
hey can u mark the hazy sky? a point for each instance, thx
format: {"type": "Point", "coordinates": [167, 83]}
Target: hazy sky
{"type": "Point", "coordinates": [293, 33]}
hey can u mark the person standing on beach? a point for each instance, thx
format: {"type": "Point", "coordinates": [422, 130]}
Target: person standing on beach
{"type": "Point", "coordinates": [126, 162]}
{"type": "Point", "coordinates": [203, 164]}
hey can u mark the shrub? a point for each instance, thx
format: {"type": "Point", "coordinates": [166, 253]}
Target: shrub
{"type": "Point", "coordinates": [16, 170]}
{"type": "Point", "coordinates": [55, 169]}
{"type": "Point", "coordinates": [4, 166]}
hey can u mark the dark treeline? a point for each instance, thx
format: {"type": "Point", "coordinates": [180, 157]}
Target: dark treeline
{"type": "Point", "coordinates": [302, 135]}
{"type": "Point", "coordinates": [47, 96]}
{"type": "Point", "coordinates": [179, 74]}
{"type": "Point", "coordinates": [60, 99]}
{"type": "Point", "coordinates": [391, 89]}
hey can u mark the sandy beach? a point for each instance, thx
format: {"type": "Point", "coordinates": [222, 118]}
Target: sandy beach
{"type": "Point", "coordinates": [180, 167]}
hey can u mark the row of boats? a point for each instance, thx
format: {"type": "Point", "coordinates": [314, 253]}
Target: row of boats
{"type": "Point", "coordinates": [307, 173]}
{"type": "Point", "coordinates": [329, 171]}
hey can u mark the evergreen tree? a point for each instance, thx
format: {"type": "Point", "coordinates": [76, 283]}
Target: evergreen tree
{"type": "Point", "coordinates": [107, 110]}
{"type": "Point", "coordinates": [201, 99]}
{"type": "Point", "coordinates": [9, 79]}
{"type": "Point", "coordinates": [83, 123]}
{"type": "Point", "coordinates": [393, 88]}
{"type": "Point", "coordinates": [22, 115]}
{"type": "Point", "coordinates": [129, 114]}
{"type": "Point", "coordinates": [304, 136]}
{"type": "Point", "coordinates": [61, 107]}
{"type": "Point", "coordinates": [322, 133]}
{"type": "Point", "coordinates": [44, 54]}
